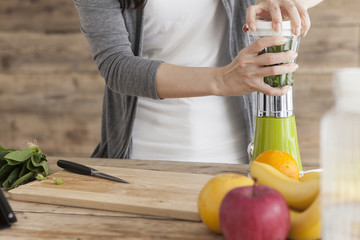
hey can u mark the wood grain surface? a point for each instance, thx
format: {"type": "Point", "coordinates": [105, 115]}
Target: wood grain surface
{"type": "Point", "coordinates": [49, 81]}
{"type": "Point", "coordinates": [48, 16]}
{"type": "Point", "coordinates": [149, 192]}
{"type": "Point", "coordinates": [44, 221]}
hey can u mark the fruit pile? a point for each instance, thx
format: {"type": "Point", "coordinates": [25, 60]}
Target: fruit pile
{"type": "Point", "coordinates": [277, 205]}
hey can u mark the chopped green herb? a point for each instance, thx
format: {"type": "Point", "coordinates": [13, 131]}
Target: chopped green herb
{"type": "Point", "coordinates": [40, 177]}
{"type": "Point", "coordinates": [58, 181]}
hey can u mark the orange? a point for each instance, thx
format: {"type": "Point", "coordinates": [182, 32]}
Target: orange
{"type": "Point", "coordinates": [212, 194]}
{"type": "Point", "coordinates": [282, 161]}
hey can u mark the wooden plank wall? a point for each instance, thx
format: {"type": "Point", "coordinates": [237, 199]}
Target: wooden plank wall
{"type": "Point", "coordinates": [333, 42]}
{"type": "Point", "coordinates": [51, 92]}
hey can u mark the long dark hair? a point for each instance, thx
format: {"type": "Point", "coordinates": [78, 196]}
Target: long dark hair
{"type": "Point", "coordinates": [136, 4]}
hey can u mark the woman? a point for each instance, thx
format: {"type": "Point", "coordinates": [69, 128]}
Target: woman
{"type": "Point", "coordinates": [180, 76]}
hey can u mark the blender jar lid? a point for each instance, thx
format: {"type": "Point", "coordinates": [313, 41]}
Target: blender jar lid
{"type": "Point", "coordinates": [262, 24]}
{"type": "Point", "coordinates": [264, 28]}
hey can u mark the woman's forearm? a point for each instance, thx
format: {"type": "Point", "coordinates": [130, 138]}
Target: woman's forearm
{"type": "Point", "coordinates": [174, 81]}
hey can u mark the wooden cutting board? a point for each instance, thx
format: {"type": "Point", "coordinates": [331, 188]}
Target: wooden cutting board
{"type": "Point", "coordinates": [155, 193]}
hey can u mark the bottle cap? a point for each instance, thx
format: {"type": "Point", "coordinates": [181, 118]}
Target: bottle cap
{"type": "Point", "coordinates": [346, 87]}
{"type": "Point", "coordinates": [347, 82]}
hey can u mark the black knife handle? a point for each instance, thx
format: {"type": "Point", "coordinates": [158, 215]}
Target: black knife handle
{"type": "Point", "coordinates": [74, 167]}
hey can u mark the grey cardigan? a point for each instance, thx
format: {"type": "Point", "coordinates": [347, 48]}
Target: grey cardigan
{"type": "Point", "coordinates": [115, 38]}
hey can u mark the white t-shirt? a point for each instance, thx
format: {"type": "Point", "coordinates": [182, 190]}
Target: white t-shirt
{"type": "Point", "coordinates": [199, 129]}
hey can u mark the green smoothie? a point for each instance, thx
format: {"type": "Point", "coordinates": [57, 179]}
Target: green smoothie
{"type": "Point", "coordinates": [276, 134]}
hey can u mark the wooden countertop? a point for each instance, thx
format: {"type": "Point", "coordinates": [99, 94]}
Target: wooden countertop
{"type": "Point", "coordinates": [43, 221]}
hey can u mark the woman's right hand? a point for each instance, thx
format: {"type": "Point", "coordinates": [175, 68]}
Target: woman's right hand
{"type": "Point", "coordinates": [245, 74]}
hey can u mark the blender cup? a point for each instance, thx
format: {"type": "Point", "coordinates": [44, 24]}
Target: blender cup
{"type": "Point", "coordinates": [264, 29]}
{"type": "Point", "coordinates": [275, 127]}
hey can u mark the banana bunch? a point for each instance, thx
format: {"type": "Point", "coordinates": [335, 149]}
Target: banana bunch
{"type": "Point", "coordinates": [301, 195]}
{"type": "Point", "coordinates": [306, 224]}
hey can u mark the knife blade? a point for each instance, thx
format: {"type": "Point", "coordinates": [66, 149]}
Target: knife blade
{"type": "Point", "coordinates": [85, 170]}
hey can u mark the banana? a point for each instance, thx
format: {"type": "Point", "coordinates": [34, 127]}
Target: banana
{"type": "Point", "coordinates": [310, 175]}
{"type": "Point", "coordinates": [298, 194]}
{"type": "Point", "coordinates": [307, 224]}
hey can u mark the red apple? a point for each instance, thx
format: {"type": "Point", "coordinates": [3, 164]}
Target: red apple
{"type": "Point", "coordinates": [254, 213]}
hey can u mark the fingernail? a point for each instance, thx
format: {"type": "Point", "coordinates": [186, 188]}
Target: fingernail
{"type": "Point", "coordinates": [252, 27]}
{"type": "Point", "coordinates": [296, 66]}
{"type": "Point", "coordinates": [304, 34]}
{"type": "Point", "coordinates": [278, 27]}
{"type": "Point", "coordinates": [298, 31]}
{"type": "Point", "coordinates": [294, 54]}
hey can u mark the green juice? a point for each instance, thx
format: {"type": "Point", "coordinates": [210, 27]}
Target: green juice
{"type": "Point", "coordinates": [273, 133]}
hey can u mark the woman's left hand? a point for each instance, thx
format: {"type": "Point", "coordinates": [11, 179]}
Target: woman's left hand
{"type": "Point", "coordinates": [277, 10]}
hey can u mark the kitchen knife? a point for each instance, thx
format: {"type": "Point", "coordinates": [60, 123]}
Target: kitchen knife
{"type": "Point", "coordinates": [85, 170]}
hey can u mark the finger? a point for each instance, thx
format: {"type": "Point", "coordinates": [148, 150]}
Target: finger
{"type": "Point", "coordinates": [275, 58]}
{"type": "Point", "coordinates": [275, 12]}
{"type": "Point", "coordinates": [294, 16]}
{"type": "Point", "coordinates": [277, 70]}
{"type": "Point", "coordinates": [305, 19]}
{"type": "Point", "coordinates": [251, 13]}
{"type": "Point", "coordinates": [271, 91]}
{"type": "Point", "coordinates": [265, 42]}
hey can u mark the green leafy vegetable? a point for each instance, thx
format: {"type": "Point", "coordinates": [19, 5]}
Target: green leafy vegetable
{"type": "Point", "coordinates": [24, 171]}
{"type": "Point", "coordinates": [27, 177]}
{"type": "Point", "coordinates": [5, 171]}
{"type": "Point", "coordinates": [21, 155]}
{"type": "Point", "coordinates": [14, 175]}
{"type": "Point", "coordinates": [21, 166]}
{"type": "Point", "coordinates": [284, 79]}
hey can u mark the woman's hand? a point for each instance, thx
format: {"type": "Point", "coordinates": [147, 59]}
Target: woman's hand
{"type": "Point", "coordinates": [277, 10]}
{"type": "Point", "coordinates": [245, 74]}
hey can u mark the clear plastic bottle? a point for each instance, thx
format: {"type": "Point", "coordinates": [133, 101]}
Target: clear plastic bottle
{"type": "Point", "coordinates": [340, 159]}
